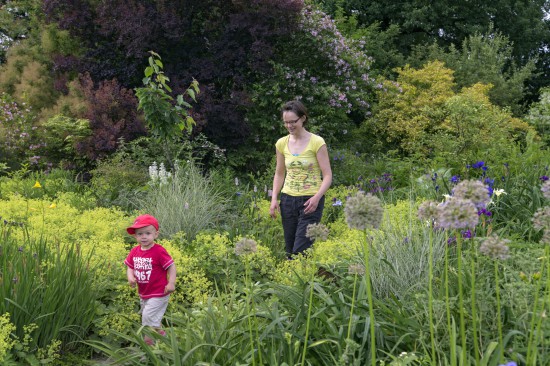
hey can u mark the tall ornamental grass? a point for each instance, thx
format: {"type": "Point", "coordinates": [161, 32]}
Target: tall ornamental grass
{"type": "Point", "coordinates": [49, 287]}
{"type": "Point", "coordinates": [184, 200]}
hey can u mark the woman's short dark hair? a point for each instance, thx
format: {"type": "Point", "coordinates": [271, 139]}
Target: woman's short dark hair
{"type": "Point", "coordinates": [297, 107]}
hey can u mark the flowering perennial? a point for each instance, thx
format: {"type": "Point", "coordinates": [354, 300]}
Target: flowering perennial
{"type": "Point", "coordinates": [546, 189]}
{"type": "Point", "coordinates": [363, 211]}
{"type": "Point", "coordinates": [474, 191]}
{"type": "Point", "coordinates": [495, 247]}
{"type": "Point", "coordinates": [246, 246]}
{"type": "Point", "coordinates": [457, 213]}
{"type": "Point", "coordinates": [356, 269]}
{"type": "Point", "coordinates": [317, 232]}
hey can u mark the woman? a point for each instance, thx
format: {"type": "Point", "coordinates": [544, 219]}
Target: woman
{"type": "Point", "coordinates": [304, 174]}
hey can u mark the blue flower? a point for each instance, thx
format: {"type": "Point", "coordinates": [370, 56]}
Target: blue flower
{"type": "Point", "coordinates": [478, 164]}
{"type": "Point", "coordinates": [489, 181]}
{"type": "Point", "coordinates": [455, 178]}
{"type": "Point", "coordinates": [336, 202]}
{"type": "Point", "coordinates": [544, 178]}
{"type": "Point", "coordinates": [511, 363]}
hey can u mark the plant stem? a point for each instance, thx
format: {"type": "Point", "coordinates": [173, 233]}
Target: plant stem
{"type": "Point", "coordinates": [310, 306]}
{"type": "Point", "coordinates": [369, 297]}
{"type": "Point", "coordinates": [251, 334]}
{"type": "Point", "coordinates": [430, 297]}
{"type": "Point", "coordinates": [461, 297]}
{"type": "Point", "coordinates": [532, 341]}
{"type": "Point", "coordinates": [450, 327]}
{"type": "Point", "coordinates": [474, 308]}
{"type": "Point", "coordinates": [352, 304]}
{"type": "Point", "coordinates": [499, 320]}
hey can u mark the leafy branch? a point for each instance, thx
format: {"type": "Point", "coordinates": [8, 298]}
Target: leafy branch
{"type": "Point", "coordinates": [165, 119]}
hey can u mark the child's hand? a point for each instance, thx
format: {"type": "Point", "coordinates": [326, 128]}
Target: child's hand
{"type": "Point", "coordinates": [170, 287]}
{"type": "Point", "coordinates": [132, 281]}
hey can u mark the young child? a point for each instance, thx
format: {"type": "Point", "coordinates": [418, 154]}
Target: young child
{"type": "Point", "coordinates": [153, 269]}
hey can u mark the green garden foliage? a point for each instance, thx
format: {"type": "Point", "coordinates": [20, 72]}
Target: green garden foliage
{"type": "Point", "coordinates": [485, 58]}
{"type": "Point", "coordinates": [539, 115]}
{"type": "Point", "coordinates": [405, 268]}
{"type": "Point", "coordinates": [422, 117]}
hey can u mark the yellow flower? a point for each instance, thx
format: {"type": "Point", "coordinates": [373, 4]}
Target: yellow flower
{"type": "Point", "coordinates": [53, 205]}
{"type": "Point", "coordinates": [37, 185]}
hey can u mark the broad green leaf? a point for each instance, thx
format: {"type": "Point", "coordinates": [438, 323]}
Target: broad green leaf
{"type": "Point", "coordinates": [191, 94]}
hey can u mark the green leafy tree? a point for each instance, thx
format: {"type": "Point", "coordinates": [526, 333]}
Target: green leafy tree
{"type": "Point", "coordinates": [165, 120]}
{"type": "Point", "coordinates": [539, 115]}
{"type": "Point", "coordinates": [422, 117]}
{"type": "Point", "coordinates": [450, 22]}
{"type": "Point", "coordinates": [484, 58]}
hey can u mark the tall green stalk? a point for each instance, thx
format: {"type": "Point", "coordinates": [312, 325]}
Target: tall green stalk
{"type": "Point", "coordinates": [499, 319]}
{"type": "Point", "coordinates": [532, 341]}
{"type": "Point", "coordinates": [352, 305]}
{"type": "Point", "coordinates": [309, 308]}
{"type": "Point", "coordinates": [430, 296]}
{"type": "Point", "coordinates": [461, 297]}
{"type": "Point", "coordinates": [450, 324]}
{"type": "Point", "coordinates": [250, 311]}
{"type": "Point", "coordinates": [370, 301]}
{"type": "Point", "coordinates": [473, 302]}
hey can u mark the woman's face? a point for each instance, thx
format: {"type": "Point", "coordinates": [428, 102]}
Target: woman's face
{"type": "Point", "coordinates": [292, 122]}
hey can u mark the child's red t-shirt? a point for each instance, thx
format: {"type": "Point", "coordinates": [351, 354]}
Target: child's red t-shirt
{"type": "Point", "coordinates": [150, 268]}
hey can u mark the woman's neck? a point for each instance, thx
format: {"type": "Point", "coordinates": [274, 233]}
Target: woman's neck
{"type": "Point", "coordinates": [303, 134]}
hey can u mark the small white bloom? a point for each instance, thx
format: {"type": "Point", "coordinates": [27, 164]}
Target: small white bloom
{"type": "Point", "coordinates": [447, 197]}
{"type": "Point", "coordinates": [498, 192]}
{"type": "Point", "coordinates": [236, 181]}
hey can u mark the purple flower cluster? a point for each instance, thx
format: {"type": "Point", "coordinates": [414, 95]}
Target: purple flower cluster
{"type": "Point", "coordinates": [346, 59]}
{"type": "Point", "coordinates": [457, 213]}
{"type": "Point", "coordinates": [474, 191]}
{"type": "Point", "coordinates": [379, 184]}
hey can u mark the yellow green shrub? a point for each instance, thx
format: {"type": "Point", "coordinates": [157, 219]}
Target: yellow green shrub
{"type": "Point", "coordinates": [192, 284]}
{"type": "Point", "coordinates": [6, 342]}
{"type": "Point", "coordinates": [100, 230]}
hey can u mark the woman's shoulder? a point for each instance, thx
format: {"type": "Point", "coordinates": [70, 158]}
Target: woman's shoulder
{"type": "Point", "coordinates": [316, 139]}
{"type": "Point", "coordinates": [282, 142]}
{"type": "Point", "coordinates": [283, 139]}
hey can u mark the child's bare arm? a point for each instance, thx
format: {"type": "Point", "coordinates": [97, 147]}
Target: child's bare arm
{"type": "Point", "coordinates": [171, 286]}
{"type": "Point", "coordinates": [131, 278]}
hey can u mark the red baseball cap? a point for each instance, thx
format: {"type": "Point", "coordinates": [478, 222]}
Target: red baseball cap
{"type": "Point", "coordinates": [142, 221]}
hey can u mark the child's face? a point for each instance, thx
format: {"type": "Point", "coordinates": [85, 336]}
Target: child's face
{"type": "Point", "coordinates": [146, 236]}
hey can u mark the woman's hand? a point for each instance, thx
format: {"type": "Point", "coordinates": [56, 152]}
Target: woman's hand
{"type": "Point", "coordinates": [274, 208]}
{"type": "Point", "coordinates": [311, 205]}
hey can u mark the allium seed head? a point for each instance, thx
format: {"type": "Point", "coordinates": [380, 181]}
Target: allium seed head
{"type": "Point", "coordinates": [363, 211]}
{"type": "Point", "coordinates": [317, 232]}
{"type": "Point", "coordinates": [246, 246]}
{"type": "Point", "coordinates": [545, 237]}
{"type": "Point", "coordinates": [541, 218]}
{"type": "Point", "coordinates": [474, 191]}
{"type": "Point", "coordinates": [546, 189]}
{"type": "Point", "coordinates": [495, 247]}
{"type": "Point", "coordinates": [356, 269]}
{"type": "Point", "coordinates": [427, 211]}
{"type": "Point", "coordinates": [457, 214]}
